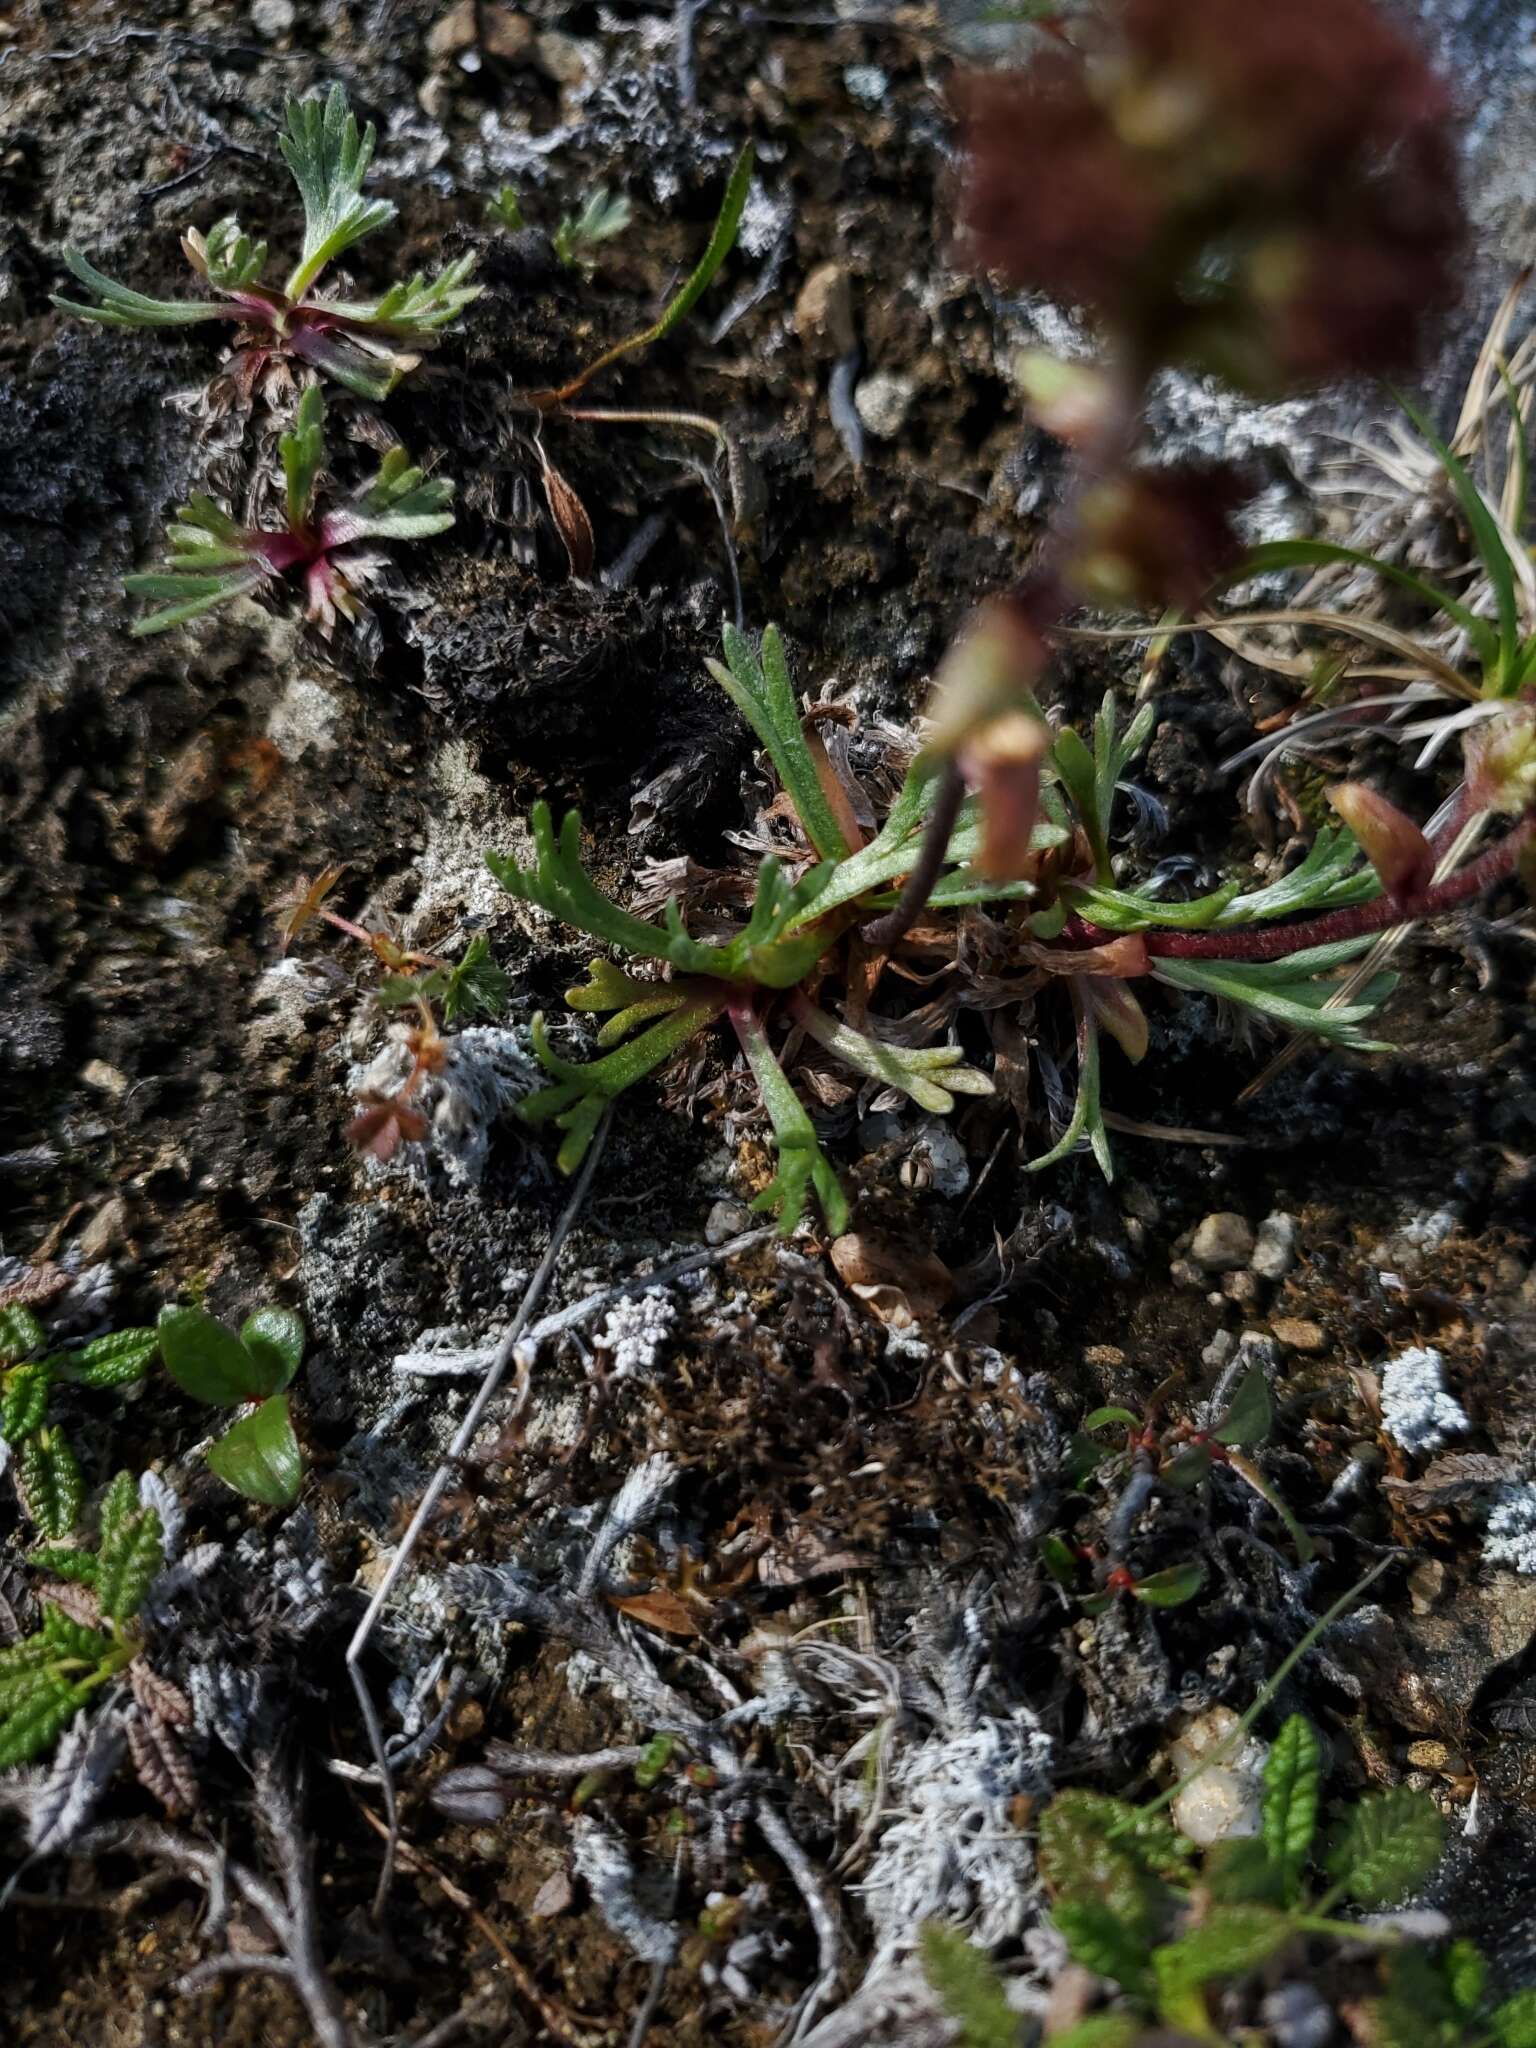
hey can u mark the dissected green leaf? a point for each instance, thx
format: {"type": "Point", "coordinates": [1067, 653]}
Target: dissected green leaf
{"type": "Point", "coordinates": [474, 985]}
{"type": "Point", "coordinates": [968, 1987]}
{"type": "Point", "coordinates": [802, 1163]}
{"type": "Point", "coordinates": [1293, 1782]}
{"type": "Point", "coordinates": [328, 159]}
{"type": "Point", "coordinates": [1388, 1845]}
{"type": "Point", "coordinates": [583, 1090]}
{"type": "Point", "coordinates": [78, 1566]}
{"type": "Point", "coordinates": [1098, 1850]}
{"type": "Point", "coordinates": [302, 450]}
{"type": "Point", "coordinates": [75, 1641]}
{"type": "Point", "coordinates": [118, 1504]}
{"type": "Point", "coordinates": [121, 307]}
{"type": "Point", "coordinates": [931, 1075]}
{"type": "Point", "coordinates": [1290, 992]}
{"type": "Point", "coordinates": [757, 682]}
{"type": "Point", "coordinates": [260, 1456]}
{"type": "Point", "coordinates": [275, 1339]}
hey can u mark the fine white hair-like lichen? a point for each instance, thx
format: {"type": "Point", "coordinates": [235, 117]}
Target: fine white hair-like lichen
{"type": "Point", "coordinates": [1416, 1411]}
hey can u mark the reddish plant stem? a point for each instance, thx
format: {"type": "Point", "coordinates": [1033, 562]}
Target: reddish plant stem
{"type": "Point", "coordinates": [1358, 920]}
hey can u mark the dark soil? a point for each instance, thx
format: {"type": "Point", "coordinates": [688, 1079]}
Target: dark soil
{"type": "Point", "coordinates": [171, 1109]}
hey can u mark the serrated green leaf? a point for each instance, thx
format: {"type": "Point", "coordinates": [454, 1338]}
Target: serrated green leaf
{"type": "Point", "coordinates": [260, 1456]}
{"type": "Point", "coordinates": [78, 1566]}
{"type": "Point", "coordinates": [1094, 1849]}
{"type": "Point", "coordinates": [23, 1401]}
{"type": "Point", "coordinates": [130, 1558]}
{"type": "Point", "coordinates": [1251, 1415]}
{"type": "Point", "coordinates": [34, 1727]}
{"type": "Point", "coordinates": [21, 1335]}
{"type": "Point", "coordinates": [474, 985]}
{"type": "Point", "coordinates": [208, 1361]}
{"type": "Point", "coordinates": [275, 1338]}
{"type": "Point", "coordinates": [1387, 1846]}
{"type": "Point", "coordinates": [1466, 1976]}
{"type": "Point", "coordinates": [1229, 1942]}
{"type": "Point", "coordinates": [18, 1689]}
{"type": "Point", "coordinates": [969, 1989]}
{"type": "Point", "coordinates": [1293, 1781]}
{"type": "Point", "coordinates": [1101, 1941]}
{"type": "Point", "coordinates": [1239, 1871]}
{"type": "Point", "coordinates": [1514, 2022]}
{"type": "Point", "coordinates": [113, 1360]}
{"type": "Point", "coordinates": [50, 1483]}
{"type": "Point", "coordinates": [68, 1638]}
{"type": "Point", "coordinates": [1100, 2029]}
{"type": "Point", "coordinates": [120, 1501]}
{"type": "Point", "coordinates": [1172, 1587]}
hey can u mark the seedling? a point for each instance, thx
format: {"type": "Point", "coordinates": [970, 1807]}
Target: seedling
{"type": "Point", "coordinates": [47, 1677]}
{"type": "Point", "coordinates": [213, 560]}
{"type": "Point", "coordinates": [365, 344]}
{"type": "Point", "coordinates": [580, 235]}
{"type": "Point", "coordinates": [473, 985]}
{"type": "Point", "coordinates": [259, 1455]}
{"type": "Point", "coordinates": [1091, 936]}
{"type": "Point", "coordinates": [47, 1471]}
{"type": "Point", "coordinates": [505, 209]}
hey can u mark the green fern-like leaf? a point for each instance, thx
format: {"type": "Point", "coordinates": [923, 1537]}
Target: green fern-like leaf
{"type": "Point", "coordinates": [1293, 1779]}
{"type": "Point", "coordinates": [969, 1988]}
{"type": "Point", "coordinates": [23, 1401]}
{"type": "Point", "coordinates": [1387, 1846]}
{"type": "Point", "coordinates": [50, 1483]}
{"type": "Point", "coordinates": [130, 1556]}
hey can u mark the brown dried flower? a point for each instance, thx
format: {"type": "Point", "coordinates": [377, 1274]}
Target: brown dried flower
{"type": "Point", "coordinates": [1160, 536]}
{"type": "Point", "coordinates": [1266, 192]}
{"type": "Point", "coordinates": [383, 1125]}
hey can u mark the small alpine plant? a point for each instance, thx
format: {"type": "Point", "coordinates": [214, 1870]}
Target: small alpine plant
{"type": "Point", "coordinates": [213, 559]}
{"type": "Point", "coordinates": [1027, 862]}
{"type": "Point", "coordinates": [365, 344]}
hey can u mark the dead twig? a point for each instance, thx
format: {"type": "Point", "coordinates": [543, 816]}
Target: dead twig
{"type": "Point", "coordinates": [438, 1485]}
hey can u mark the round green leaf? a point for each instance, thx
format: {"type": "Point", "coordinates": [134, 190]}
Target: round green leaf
{"type": "Point", "coordinates": [209, 1362]}
{"type": "Point", "coordinates": [260, 1456]}
{"type": "Point", "coordinates": [275, 1339]}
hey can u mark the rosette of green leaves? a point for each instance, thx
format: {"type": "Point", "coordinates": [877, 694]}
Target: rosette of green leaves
{"type": "Point", "coordinates": [259, 1455]}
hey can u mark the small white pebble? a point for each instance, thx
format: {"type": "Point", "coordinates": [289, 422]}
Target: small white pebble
{"type": "Point", "coordinates": [1226, 1800]}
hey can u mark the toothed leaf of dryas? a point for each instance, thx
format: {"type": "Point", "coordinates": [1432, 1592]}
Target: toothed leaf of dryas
{"type": "Point", "coordinates": [260, 1456]}
{"type": "Point", "coordinates": [26, 1683]}
{"type": "Point", "coordinates": [1101, 1941]}
{"type": "Point", "coordinates": [1466, 1976]}
{"type": "Point", "coordinates": [275, 1339]}
{"type": "Point", "coordinates": [23, 1401]}
{"type": "Point", "coordinates": [328, 159]}
{"type": "Point", "coordinates": [1514, 2022]}
{"type": "Point", "coordinates": [113, 1360]}
{"type": "Point", "coordinates": [1239, 1871]}
{"type": "Point", "coordinates": [21, 1335]}
{"type": "Point", "coordinates": [33, 1728]}
{"type": "Point", "coordinates": [50, 1483]}
{"type": "Point", "coordinates": [1097, 1850]}
{"type": "Point", "coordinates": [120, 1500]}
{"type": "Point", "coordinates": [209, 1362]}
{"type": "Point", "coordinates": [130, 1559]}
{"type": "Point", "coordinates": [1230, 1941]}
{"type": "Point", "coordinates": [1293, 1782]}
{"type": "Point", "coordinates": [1387, 1846]}
{"type": "Point", "coordinates": [75, 1640]}
{"type": "Point", "coordinates": [967, 1986]}
{"type": "Point", "coordinates": [78, 1566]}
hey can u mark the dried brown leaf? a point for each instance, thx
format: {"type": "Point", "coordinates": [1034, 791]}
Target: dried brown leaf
{"type": "Point", "coordinates": [661, 1609]}
{"type": "Point", "coordinates": [160, 1763]}
{"type": "Point", "coordinates": [158, 1696]}
{"type": "Point", "coordinates": [78, 1602]}
{"type": "Point", "coordinates": [570, 517]}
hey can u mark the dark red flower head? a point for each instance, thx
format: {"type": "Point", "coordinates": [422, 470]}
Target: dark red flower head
{"type": "Point", "coordinates": [1264, 190]}
{"type": "Point", "coordinates": [1160, 536]}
